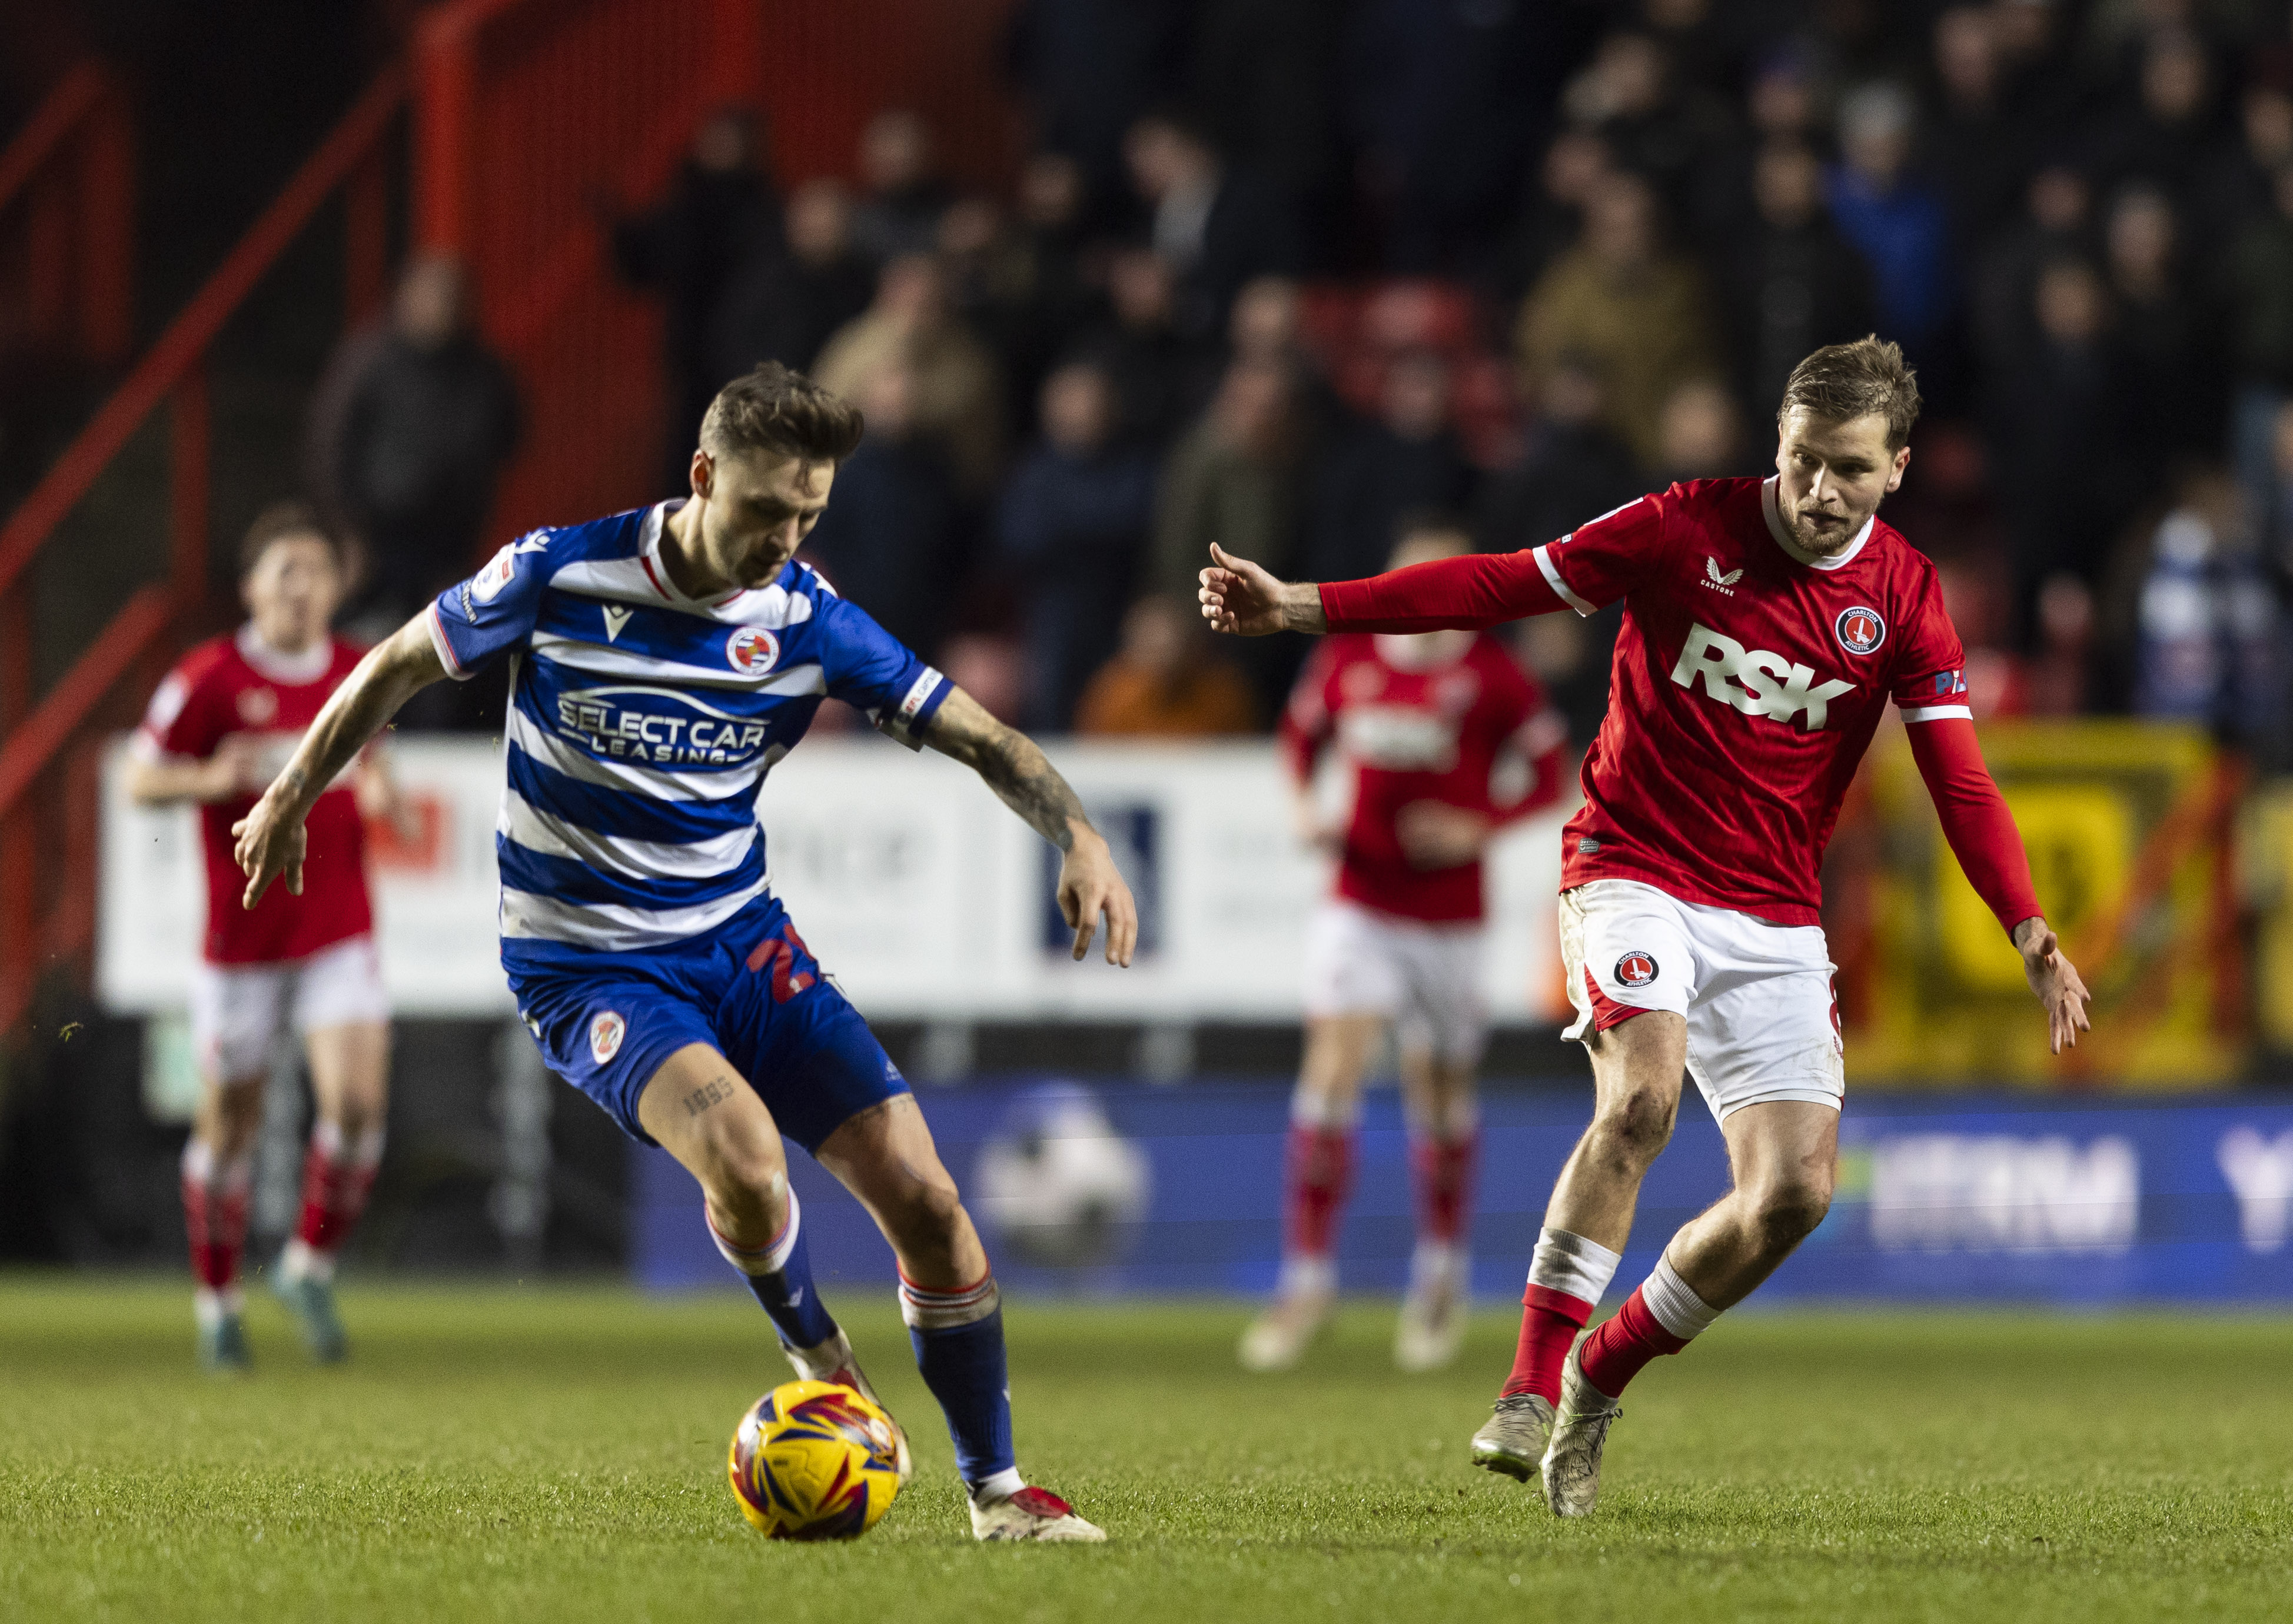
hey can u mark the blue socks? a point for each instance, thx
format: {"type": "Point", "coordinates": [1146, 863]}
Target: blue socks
{"type": "Point", "coordinates": [780, 1276]}
{"type": "Point", "coordinates": [958, 1342]}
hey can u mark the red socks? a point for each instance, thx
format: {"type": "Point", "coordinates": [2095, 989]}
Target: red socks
{"type": "Point", "coordinates": [1550, 1321]}
{"type": "Point", "coordinates": [337, 1180]}
{"type": "Point", "coordinates": [1318, 1174]}
{"type": "Point", "coordinates": [1568, 1275]}
{"type": "Point", "coordinates": [215, 1214]}
{"type": "Point", "coordinates": [1616, 1353]}
{"type": "Point", "coordinates": [1441, 1171]}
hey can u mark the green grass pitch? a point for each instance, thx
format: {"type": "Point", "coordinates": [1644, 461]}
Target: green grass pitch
{"type": "Point", "coordinates": [557, 1455]}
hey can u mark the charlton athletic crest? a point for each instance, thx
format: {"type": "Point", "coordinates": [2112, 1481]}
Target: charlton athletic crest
{"type": "Point", "coordinates": [752, 651]}
{"type": "Point", "coordinates": [1635, 969]}
{"type": "Point", "coordinates": [1861, 630]}
{"type": "Point", "coordinates": [606, 1030]}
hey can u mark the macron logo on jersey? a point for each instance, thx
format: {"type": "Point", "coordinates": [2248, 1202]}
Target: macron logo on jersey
{"type": "Point", "coordinates": [1752, 679]}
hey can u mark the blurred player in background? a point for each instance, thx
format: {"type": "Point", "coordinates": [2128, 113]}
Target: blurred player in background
{"type": "Point", "coordinates": [221, 726]}
{"type": "Point", "coordinates": [1444, 741]}
{"type": "Point", "coordinates": [662, 662]}
{"type": "Point", "coordinates": [1767, 624]}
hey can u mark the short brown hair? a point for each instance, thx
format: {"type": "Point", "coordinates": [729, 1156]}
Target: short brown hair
{"type": "Point", "coordinates": [277, 523]}
{"type": "Point", "coordinates": [776, 409]}
{"type": "Point", "coordinates": [1842, 382]}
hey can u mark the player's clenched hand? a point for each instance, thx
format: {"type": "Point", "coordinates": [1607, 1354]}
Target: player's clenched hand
{"type": "Point", "coordinates": [2056, 982]}
{"type": "Point", "coordinates": [1241, 597]}
{"type": "Point", "coordinates": [1090, 885]}
{"type": "Point", "coordinates": [270, 844]}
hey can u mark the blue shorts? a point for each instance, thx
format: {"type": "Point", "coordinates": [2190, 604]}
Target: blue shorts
{"type": "Point", "coordinates": [751, 990]}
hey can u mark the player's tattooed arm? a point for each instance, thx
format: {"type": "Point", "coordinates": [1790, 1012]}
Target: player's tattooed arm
{"type": "Point", "coordinates": [271, 837]}
{"type": "Point", "coordinates": [1015, 767]}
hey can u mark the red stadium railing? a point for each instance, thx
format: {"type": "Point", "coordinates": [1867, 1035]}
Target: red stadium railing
{"type": "Point", "coordinates": [46, 851]}
{"type": "Point", "coordinates": [68, 223]}
{"type": "Point", "coordinates": [532, 116]}
{"type": "Point", "coordinates": [535, 117]}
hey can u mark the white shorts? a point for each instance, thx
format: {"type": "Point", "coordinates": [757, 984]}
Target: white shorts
{"type": "Point", "coordinates": [1762, 1024]}
{"type": "Point", "coordinates": [237, 1010]}
{"type": "Point", "coordinates": [1427, 977]}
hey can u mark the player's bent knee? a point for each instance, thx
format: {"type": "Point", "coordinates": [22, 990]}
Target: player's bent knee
{"type": "Point", "coordinates": [744, 1166]}
{"type": "Point", "coordinates": [927, 1211]}
{"type": "Point", "coordinates": [1636, 1125]}
{"type": "Point", "coordinates": [1789, 1212]}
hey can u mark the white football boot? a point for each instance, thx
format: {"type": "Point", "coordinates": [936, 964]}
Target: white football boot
{"type": "Point", "coordinates": [1278, 1338]}
{"type": "Point", "coordinates": [1432, 1323]}
{"type": "Point", "coordinates": [833, 1360]}
{"type": "Point", "coordinates": [1512, 1440]}
{"type": "Point", "coordinates": [1032, 1513]}
{"type": "Point", "coordinates": [1580, 1430]}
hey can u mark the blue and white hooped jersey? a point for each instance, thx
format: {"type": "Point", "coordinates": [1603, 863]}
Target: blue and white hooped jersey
{"type": "Point", "coordinates": [642, 724]}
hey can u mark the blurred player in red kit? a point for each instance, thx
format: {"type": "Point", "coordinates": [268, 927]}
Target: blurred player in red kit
{"type": "Point", "coordinates": [1768, 623]}
{"type": "Point", "coordinates": [1446, 740]}
{"type": "Point", "coordinates": [220, 726]}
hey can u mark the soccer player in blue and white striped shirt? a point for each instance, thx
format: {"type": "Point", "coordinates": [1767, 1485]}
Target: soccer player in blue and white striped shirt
{"type": "Point", "coordinates": [661, 662]}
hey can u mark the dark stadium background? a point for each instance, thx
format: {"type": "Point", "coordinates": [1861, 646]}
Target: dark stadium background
{"type": "Point", "coordinates": [1549, 256]}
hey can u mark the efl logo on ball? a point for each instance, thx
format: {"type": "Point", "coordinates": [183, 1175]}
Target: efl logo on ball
{"type": "Point", "coordinates": [606, 1030]}
{"type": "Point", "coordinates": [752, 652]}
{"type": "Point", "coordinates": [1861, 630]}
{"type": "Point", "coordinates": [1635, 969]}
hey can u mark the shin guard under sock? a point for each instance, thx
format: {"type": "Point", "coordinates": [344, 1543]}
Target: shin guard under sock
{"type": "Point", "coordinates": [959, 1343]}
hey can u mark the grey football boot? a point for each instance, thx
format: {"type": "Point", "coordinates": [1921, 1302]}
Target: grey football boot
{"type": "Point", "coordinates": [222, 1347]}
{"type": "Point", "coordinates": [1580, 1430]}
{"type": "Point", "coordinates": [1513, 1439]}
{"type": "Point", "coordinates": [312, 1302]}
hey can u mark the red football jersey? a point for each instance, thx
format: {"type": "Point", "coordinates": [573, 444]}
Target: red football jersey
{"type": "Point", "coordinates": [237, 686]}
{"type": "Point", "coordinates": [1445, 718]}
{"type": "Point", "coordinates": [1747, 683]}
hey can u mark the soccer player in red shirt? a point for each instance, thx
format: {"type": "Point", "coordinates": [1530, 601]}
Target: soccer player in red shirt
{"type": "Point", "coordinates": [1767, 624]}
{"type": "Point", "coordinates": [220, 727]}
{"type": "Point", "coordinates": [1446, 740]}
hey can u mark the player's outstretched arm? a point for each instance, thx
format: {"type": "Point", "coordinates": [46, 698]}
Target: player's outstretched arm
{"type": "Point", "coordinates": [2054, 980]}
{"type": "Point", "coordinates": [1245, 599]}
{"type": "Point", "coordinates": [1982, 836]}
{"type": "Point", "coordinates": [270, 838]}
{"type": "Point", "coordinates": [1015, 769]}
{"type": "Point", "coordinates": [1467, 593]}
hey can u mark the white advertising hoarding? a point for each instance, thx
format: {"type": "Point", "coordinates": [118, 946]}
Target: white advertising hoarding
{"type": "Point", "coordinates": [912, 882]}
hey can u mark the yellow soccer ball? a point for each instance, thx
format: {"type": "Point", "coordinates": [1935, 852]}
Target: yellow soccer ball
{"type": "Point", "coordinates": [814, 1460]}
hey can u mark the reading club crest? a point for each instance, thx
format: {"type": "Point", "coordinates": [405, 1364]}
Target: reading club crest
{"type": "Point", "coordinates": [606, 1030]}
{"type": "Point", "coordinates": [1635, 969]}
{"type": "Point", "coordinates": [752, 652]}
{"type": "Point", "coordinates": [1861, 630]}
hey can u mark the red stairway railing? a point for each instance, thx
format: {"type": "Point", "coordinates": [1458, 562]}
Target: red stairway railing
{"type": "Point", "coordinates": [531, 115]}
{"type": "Point", "coordinates": [46, 864]}
{"type": "Point", "coordinates": [68, 223]}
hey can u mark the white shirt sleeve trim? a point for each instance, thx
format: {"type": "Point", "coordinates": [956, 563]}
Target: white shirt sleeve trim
{"type": "Point", "coordinates": [1938, 713]}
{"type": "Point", "coordinates": [1543, 556]}
{"type": "Point", "coordinates": [438, 642]}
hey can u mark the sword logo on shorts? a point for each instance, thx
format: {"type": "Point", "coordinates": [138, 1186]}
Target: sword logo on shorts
{"type": "Point", "coordinates": [1635, 969]}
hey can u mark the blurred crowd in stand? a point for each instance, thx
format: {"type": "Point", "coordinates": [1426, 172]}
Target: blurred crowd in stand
{"type": "Point", "coordinates": [1279, 273]}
